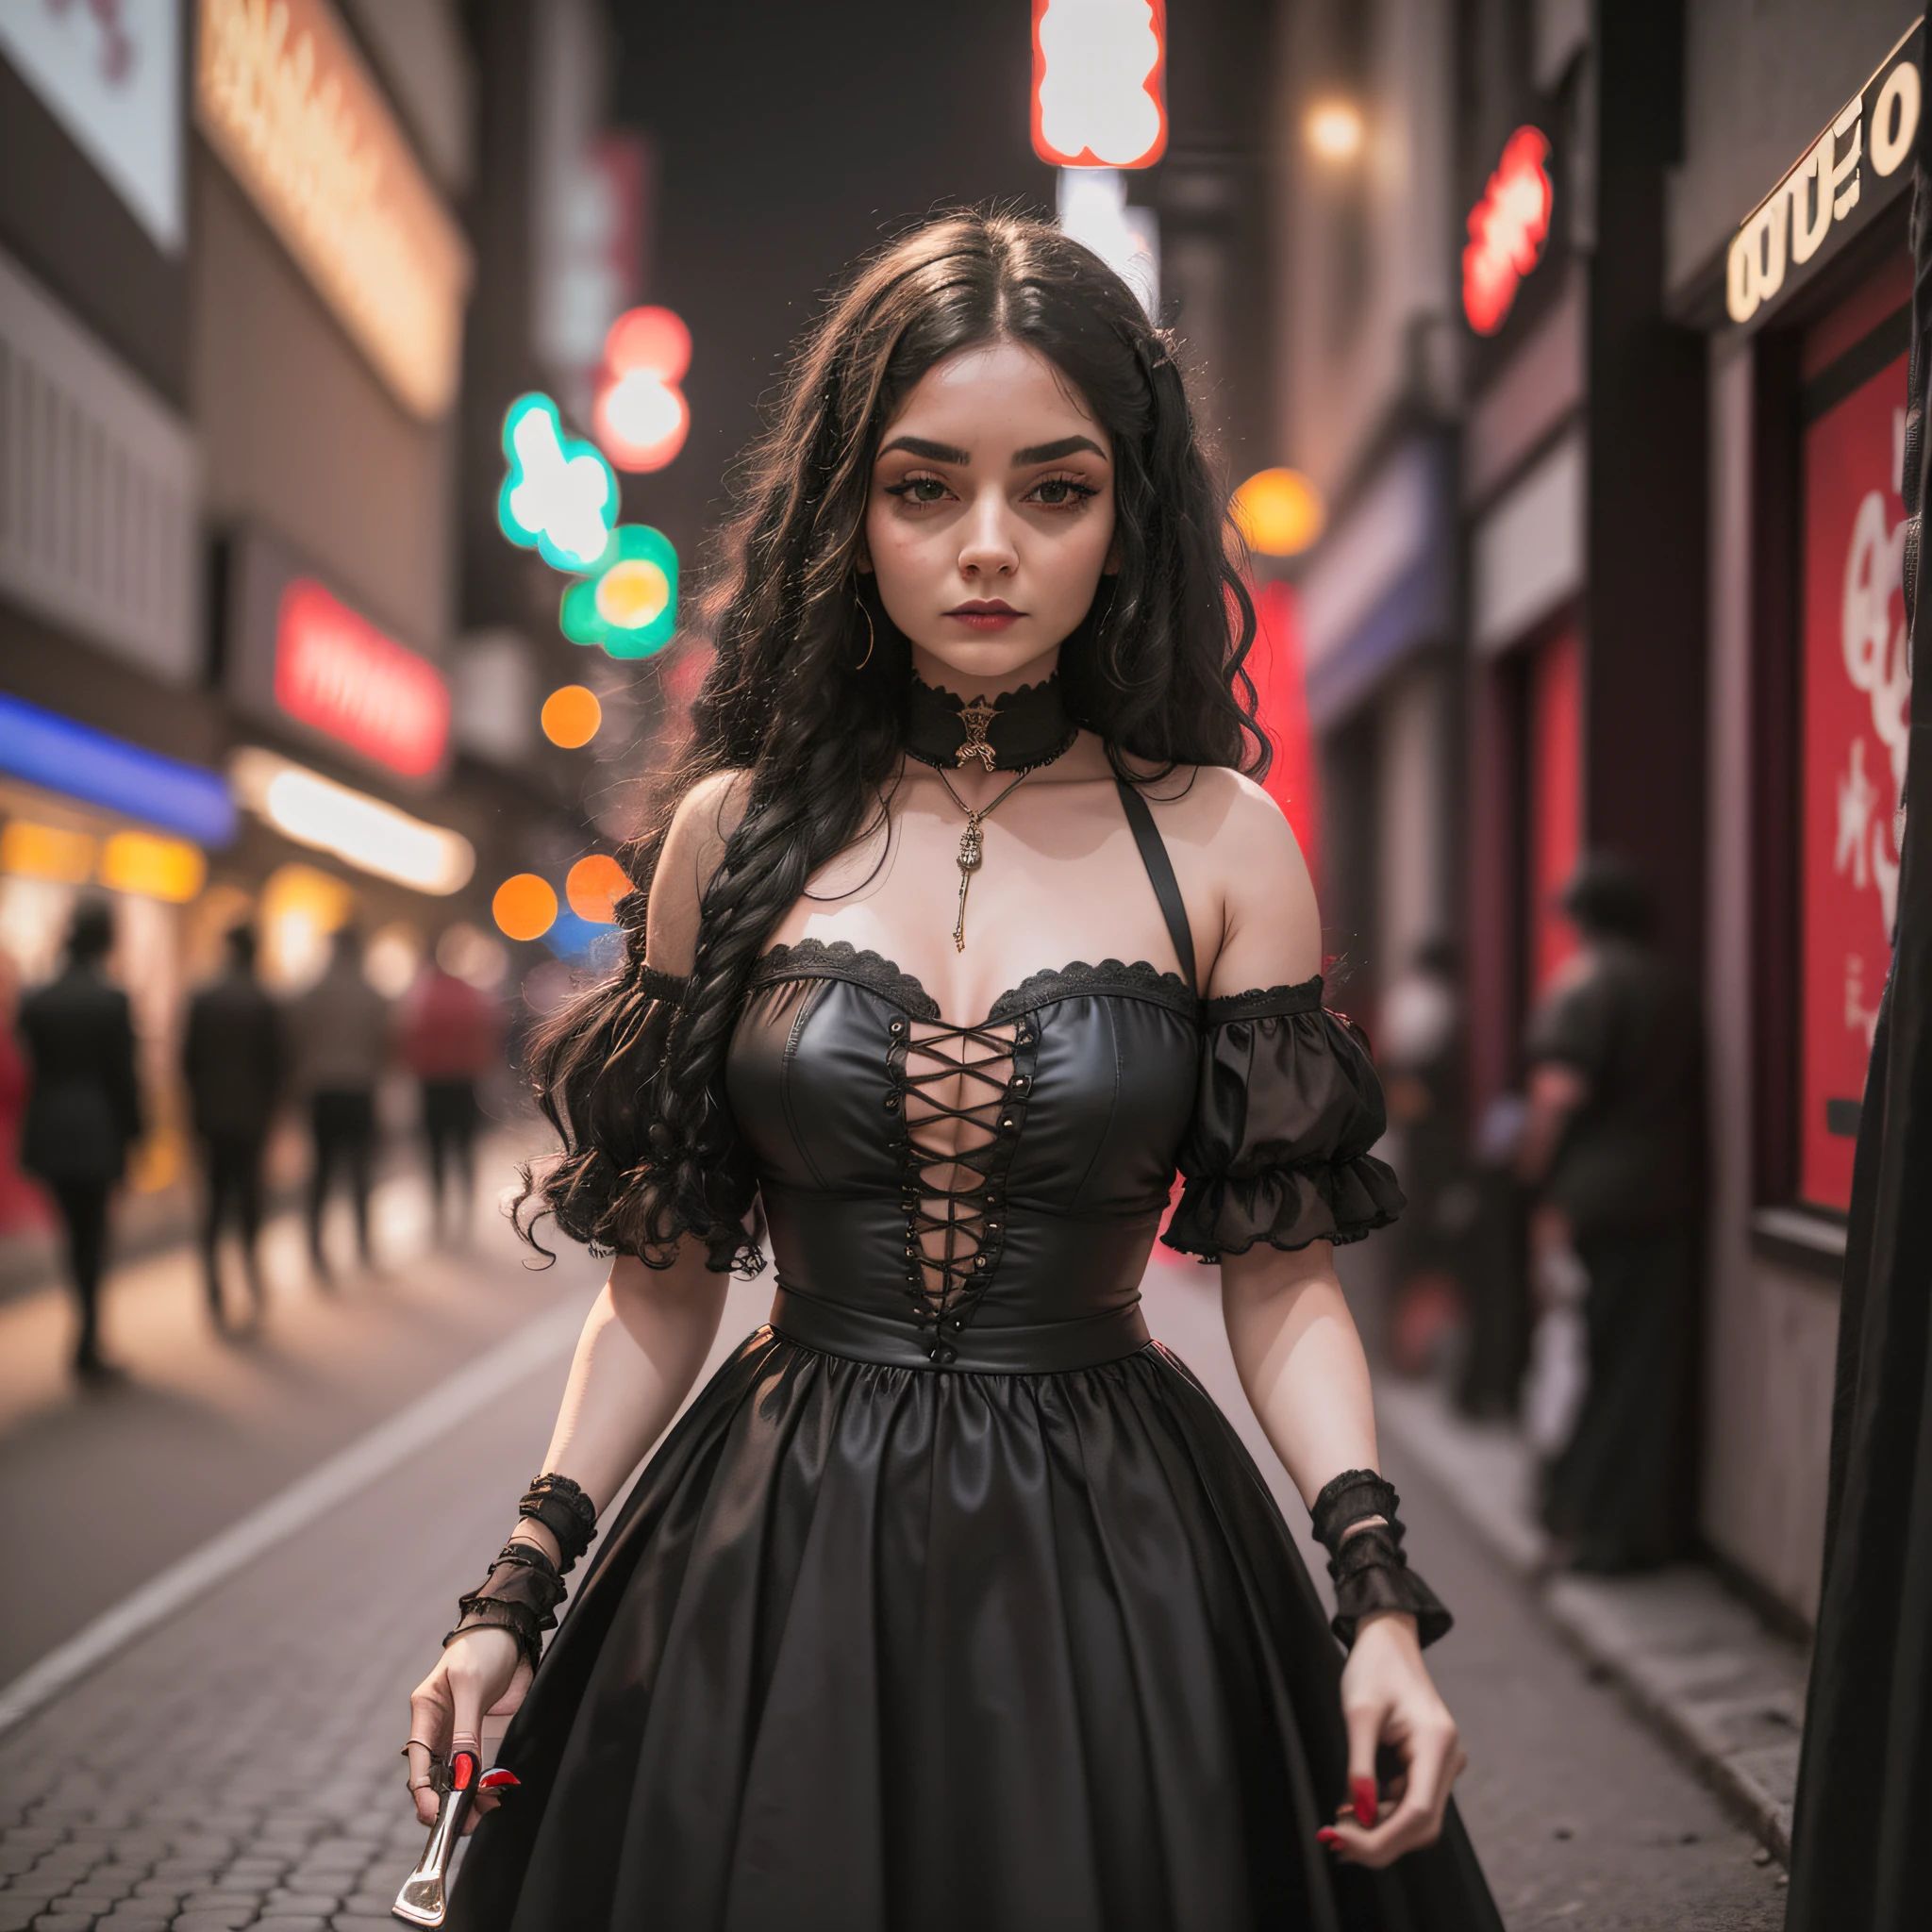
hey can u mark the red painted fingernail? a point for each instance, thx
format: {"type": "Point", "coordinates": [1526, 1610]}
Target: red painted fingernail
{"type": "Point", "coordinates": [1328, 1836]}
{"type": "Point", "coordinates": [1364, 1789]}
{"type": "Point", "coordinates": [498, 1780]}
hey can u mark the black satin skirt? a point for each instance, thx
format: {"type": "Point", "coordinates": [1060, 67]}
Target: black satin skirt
{"type": "Point", "coordinates": [879, 1647]}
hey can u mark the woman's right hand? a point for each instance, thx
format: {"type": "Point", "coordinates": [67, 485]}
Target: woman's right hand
{"type": "Point", "coordinates": [482, 1673]}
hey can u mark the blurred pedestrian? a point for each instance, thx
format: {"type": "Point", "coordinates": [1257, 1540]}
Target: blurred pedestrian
{"type": "Point", "coordinates": [1613, 1144]}
{"type": "Point", "coordinates": [339, 1036]}
{"type": "Point", "coordinates": [83, 1108]}
{"type": "Point", "coordinates": [1420, 1038]}
{"type": "Point", "coordinates": [450, 1035]}
{"type": "Point", "coordinates": [232, 1059]}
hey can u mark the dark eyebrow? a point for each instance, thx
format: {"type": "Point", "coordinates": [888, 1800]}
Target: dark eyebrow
{"type": "Point", "coordinates": [932, 452]}
{"type": "Point", "coordinates": [1052, 452]}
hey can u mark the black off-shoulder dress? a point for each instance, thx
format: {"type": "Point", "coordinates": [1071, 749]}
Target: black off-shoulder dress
{"type": "Point", "coordinates": [954, 1603]}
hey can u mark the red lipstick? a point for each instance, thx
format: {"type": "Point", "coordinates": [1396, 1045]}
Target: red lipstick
{"type": "Point", "coordinates": [986, 615]}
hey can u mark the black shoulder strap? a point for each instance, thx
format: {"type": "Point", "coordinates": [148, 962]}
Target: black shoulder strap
{"type": "Point", "coordinates": [1160, 875]}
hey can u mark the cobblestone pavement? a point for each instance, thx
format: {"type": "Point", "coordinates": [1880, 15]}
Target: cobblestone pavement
{"type": "Point", "coordinates": [236, 1766]}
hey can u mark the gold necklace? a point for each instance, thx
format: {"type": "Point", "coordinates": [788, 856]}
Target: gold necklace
{"type": "Point", "coordinates": [971, 846]}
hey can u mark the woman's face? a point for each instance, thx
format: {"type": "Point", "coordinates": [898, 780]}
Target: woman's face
{"type": "Point", "coordinates": [992, 517]}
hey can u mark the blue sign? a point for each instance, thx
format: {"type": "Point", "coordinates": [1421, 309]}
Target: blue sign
{"type": "Point", "coordinates": [54, 752]}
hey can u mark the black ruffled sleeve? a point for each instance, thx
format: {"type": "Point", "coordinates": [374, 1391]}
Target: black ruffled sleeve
{"type": "Point", "coordinates": [1288, 1108]}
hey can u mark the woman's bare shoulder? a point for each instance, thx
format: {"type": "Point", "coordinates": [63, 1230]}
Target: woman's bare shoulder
{"type": "Point", "coordinates": [1240, 849]}
{"type": "Point", "coordinates": [700, 827]}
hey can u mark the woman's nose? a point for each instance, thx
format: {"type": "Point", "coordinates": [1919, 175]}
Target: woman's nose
{"type": "Point", "coordinates": [987, 548]}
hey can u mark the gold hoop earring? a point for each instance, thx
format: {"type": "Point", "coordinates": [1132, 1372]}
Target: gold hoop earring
{"type": "Point", "coordinates": [872, 636]}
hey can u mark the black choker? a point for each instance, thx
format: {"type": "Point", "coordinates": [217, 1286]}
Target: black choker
{"type": "Point", "coordinates": [1017, 731]}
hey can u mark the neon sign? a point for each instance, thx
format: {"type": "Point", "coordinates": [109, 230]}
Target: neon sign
{"type": "Point", "coordinates": [1508, 229]}
{"type": "Point", "coordinates": [1099, 82]}
{"type": "Point", "coordinates": [285, 101]}
{"type": "Point", "coordinates": [641, 416]}
{"type": "Point", "coordinates": [337, 674]}
{"type": "Point", "coordinates": [560, 495]}
{"type": "Point", "coordinates": [630, 605]}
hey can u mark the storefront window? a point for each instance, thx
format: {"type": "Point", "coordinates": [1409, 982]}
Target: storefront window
{"type": "Point", "coordinates": [1853, 707]}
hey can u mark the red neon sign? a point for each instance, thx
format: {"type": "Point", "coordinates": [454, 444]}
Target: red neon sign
{"type": "Point", "coordinates": [1100, 83]}
{"type": "Point", "coordinates": [338, 674]}
{"type": "Point", "coordinates": [1508, 229]}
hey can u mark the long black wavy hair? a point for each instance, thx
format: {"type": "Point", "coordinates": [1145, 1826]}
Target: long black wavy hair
{"type": "Point", "coordinates": [631, 1076]}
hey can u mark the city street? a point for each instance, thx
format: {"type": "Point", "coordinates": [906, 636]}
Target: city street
{"type": "Point", "coordinates": [235, 1765]}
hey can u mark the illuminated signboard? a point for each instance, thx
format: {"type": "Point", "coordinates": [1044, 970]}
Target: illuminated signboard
{"type": "Point", "coordinates": [59, 755]}
{"type": "Point", "coordinates": [286, 101]}
{"type": "Point", "coordinates": [561, 496]}
{"type": "Point", "coordinates": [1507, 230]}
{"type": "Point", "coordinates": [1875, 130]}
{"type": "Point", "coordinates": [299, 655]}
{"type": "Point", "coordinates": [1099, 82]}
{"type": "Point", "coordinates": [1856, 721]}
{"type": "Point", "coordinates": [335, 673]}
{"type": "Point", "coordinates": [630, 605]}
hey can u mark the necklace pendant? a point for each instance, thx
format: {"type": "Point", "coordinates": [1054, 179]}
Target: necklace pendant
{"type": "Point", "coordinates": [976, 717]}
{"type": "Point", "coordinates": [972, 853]}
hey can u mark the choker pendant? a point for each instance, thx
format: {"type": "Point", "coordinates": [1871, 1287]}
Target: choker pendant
{"type": "Point", "coordinates": [976, 717]}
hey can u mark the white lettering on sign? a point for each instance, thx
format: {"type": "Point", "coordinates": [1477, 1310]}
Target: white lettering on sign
{"type": "Point", "coordinates": [1791, 225]}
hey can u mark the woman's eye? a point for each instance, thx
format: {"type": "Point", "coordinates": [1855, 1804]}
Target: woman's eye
{"type": "Point", "coordinates": [918, 489]}
{"type": "Point", "coordinates": [1063, 493]}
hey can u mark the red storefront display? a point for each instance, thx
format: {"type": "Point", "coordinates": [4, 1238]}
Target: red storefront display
{"type": "Point", "coordinates": [1852, 710]}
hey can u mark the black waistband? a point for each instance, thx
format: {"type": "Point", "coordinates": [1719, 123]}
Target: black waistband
{"type": "Point", "coordinates": [1047, 1348]}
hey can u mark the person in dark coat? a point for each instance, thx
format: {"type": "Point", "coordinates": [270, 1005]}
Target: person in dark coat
{"type": "Point", "coordinates": [232, 1060]}
{"type": "Point", "coordinates": [1614, 1143]}
{"type": "Point", "coordinates": [83, 1108]}
{"type": "Point", "coordinates": [339, 1035]}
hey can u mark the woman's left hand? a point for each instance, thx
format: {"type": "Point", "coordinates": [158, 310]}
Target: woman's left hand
{"type": "Point", "coordinates": [1387, 1698]}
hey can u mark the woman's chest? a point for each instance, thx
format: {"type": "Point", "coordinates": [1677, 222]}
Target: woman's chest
{"type": "Point", "coordinates": [1076, 1088]}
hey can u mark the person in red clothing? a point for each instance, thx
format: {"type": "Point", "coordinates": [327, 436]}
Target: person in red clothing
{"type": "Point", "coordinates": [450, 1037]}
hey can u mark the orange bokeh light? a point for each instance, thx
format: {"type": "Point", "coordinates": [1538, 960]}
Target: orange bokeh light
{"type": "Point", "coordinates": [524, 908]}
{"type": "Point", "coordinates": [570, 716]}
{"type": "Point", "coordinates": [594, 886]}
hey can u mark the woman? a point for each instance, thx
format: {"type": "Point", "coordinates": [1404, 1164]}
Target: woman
{"type": "Point", "coordinates": [952, 1601]}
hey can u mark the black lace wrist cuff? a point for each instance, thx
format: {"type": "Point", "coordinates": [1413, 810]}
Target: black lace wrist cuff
{"type": "Point", "coordinates": [1354, 1494]}
{"type": "Point", "coordinates": [1371, 1573]}
{"type": "Point", "coordinates": [486, 1613]}
{"type": "Point", "coordinates": [520, 1595]}
{"type": "Point", "coordinates": [562, 1507]}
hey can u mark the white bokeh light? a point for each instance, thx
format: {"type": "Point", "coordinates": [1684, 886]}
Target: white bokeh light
{"type": "Point", "coordinates": [1096, 57]}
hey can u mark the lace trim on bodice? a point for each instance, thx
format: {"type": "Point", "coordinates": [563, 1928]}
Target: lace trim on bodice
{"type": "Point", "coordinates": [840, 959]}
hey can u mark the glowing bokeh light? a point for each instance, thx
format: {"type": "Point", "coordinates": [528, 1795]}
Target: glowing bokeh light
{"type": "Point", "coordinates": [366, 832]}
{"type": "Point", "coordinates": [1279, 511]}
{"type": "Point", "coordinates": [640, 420]}
{"type": "Point", "coordinates": [653, 340]}
{"type": "Point", "coordinates": [570, 716]}
{"type": "Point", "coordinates": [630, 605]}
{"type": "Point", "coordinates": [524, 908]}
{"type": "Point", "coordinates": [1334, 131]}
{"type": "Point", "coordinates": [593, 887]}
{"type": "Point", "coordinates": [1508, 229]}
{"type": "Point", "coordinates": [1098, 82]}
{"type": "Point", "coordinates": [560, 495]}
{"type": "Point", "coordinates": [30, 851]}
{"type": "Point", "coordinates": [157, 868]}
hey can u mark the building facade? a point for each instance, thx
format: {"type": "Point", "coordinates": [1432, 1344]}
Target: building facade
{"type": "Point", "coordinates": [242, 670]}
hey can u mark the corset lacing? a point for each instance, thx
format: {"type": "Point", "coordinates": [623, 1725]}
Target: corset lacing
{"type": "Point", "coordinates": [956, 1226]}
